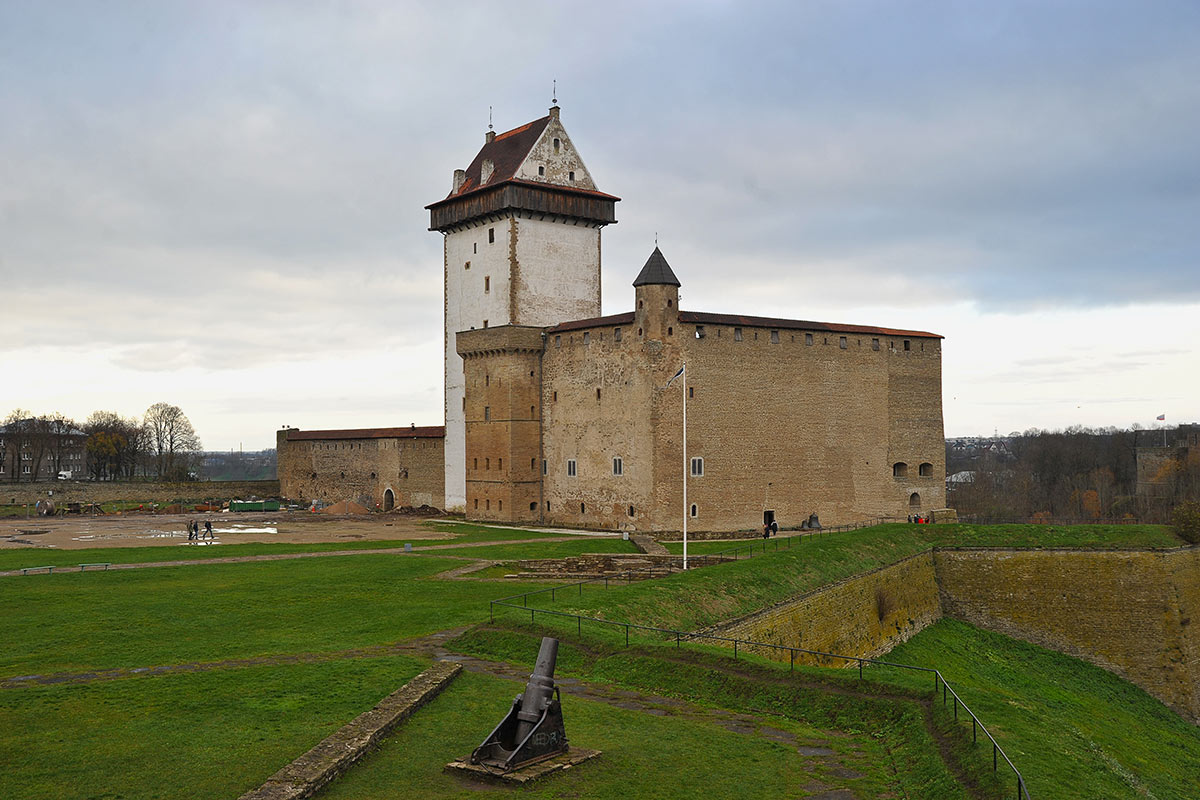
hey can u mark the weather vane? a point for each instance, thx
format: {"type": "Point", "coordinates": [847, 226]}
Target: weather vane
{"type": "Point", "coordinates": [554, 93]}
{"type": "Point", "coordinates": [489, 118]}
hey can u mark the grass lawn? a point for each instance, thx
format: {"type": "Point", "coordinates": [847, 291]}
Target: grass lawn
{"type": "Point", "coordinates": [1073, 729]}
{"type": "Point", "coordinates": [644, 755]}
{"type": "Point", "coordinates": [714, 594]}
{"type": "Point", "coordinates": [196, 735]}
{"type": "Point", "coordinates": [18, 558]}
{"type": "Point", "coordinates": [134, 618]}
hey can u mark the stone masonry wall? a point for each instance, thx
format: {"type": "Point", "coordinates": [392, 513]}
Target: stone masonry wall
{"type": "Point", "coordinates": [1132, 613]}
{"type": "Point", "coordinates": [134, 491]}
{"type": "Point", "coordinates": [866, 615]}
{"type": "Point", "coordinates": [363, 470]}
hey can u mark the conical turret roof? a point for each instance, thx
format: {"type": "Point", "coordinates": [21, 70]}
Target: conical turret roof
{"type": "Point", "coordinates": [656, 272]}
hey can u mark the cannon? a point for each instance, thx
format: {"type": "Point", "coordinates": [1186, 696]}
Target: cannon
{"type": "Point", "coordinates": [533, 728]}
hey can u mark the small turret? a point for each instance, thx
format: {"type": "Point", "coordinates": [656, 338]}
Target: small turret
{"type": "Point", "coordinates": [657, 292]}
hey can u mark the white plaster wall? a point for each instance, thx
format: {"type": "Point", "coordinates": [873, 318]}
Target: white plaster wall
{"type": "Point", "coordinates": [558, 164]}
{"type": "Point", "coordinates": [557, 275]}
{"type": "Point", "coordinates": [467, 305]}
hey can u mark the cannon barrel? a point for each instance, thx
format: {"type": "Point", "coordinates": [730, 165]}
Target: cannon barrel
{"type": "Point", "coordinates": [540, 689]}
{"type": "Point", "coordinates": [533, 728]}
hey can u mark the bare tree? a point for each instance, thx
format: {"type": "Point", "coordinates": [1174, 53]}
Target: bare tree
{"type": "Point", "coordinates": [61, 434]}
{"type": "Point", "coordinates": [172, 438]}
{"type": "Point", "coordinates": [16, 432]}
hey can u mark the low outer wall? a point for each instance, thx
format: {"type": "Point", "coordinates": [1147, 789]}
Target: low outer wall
{"type": "Point", "coordinates": [139, 491]}
{"type": "Point", "coordinates": [1132, 613]}
{"type": "Point", "coordinates": [866, 615]}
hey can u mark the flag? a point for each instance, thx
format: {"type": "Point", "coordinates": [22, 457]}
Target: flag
{"type": "Point", "coordinates": [677, 374]}
{"type": "Point", "coordinates": [1160, 417]}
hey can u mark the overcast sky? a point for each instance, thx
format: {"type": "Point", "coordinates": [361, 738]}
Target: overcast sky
{"type": "Point", "coordinates": [220, 205]}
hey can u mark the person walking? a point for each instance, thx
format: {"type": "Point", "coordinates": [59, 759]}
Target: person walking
{"type": "Point", "coordinates": [208, 528]}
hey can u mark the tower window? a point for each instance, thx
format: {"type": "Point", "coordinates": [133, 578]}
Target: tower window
{"type": "Point", "coordinates": [774, 337]}
{"type": "Point", "coordinates": [500, 504]}
{"type": "Point", "coordinates": [597, 394]}
{"type": "Point", "coordinates": [697, 467]}
{"type": "Point", "coordinates": [487, 463]}
{"type": "Point", "coordinates": [899, 470]}
{"type": "Point", "coordinates": [874, 344]}
{"type": "Point", "coordinates": [555, 397]}
{"type": "Point", "coordinates": [557, 144]}
{"type": "Point", "coordinates": [499, 463]}
{"type": "Point", "coordinates": [545, 471]}
{"type": "Point", "coordinates": [558, 341]}
{"type": "Point", "coordinates": [531, 414]}
{"type": "Point", "coordinates": [907, 344]}
{"type": "Point", "coordinates": [808, 340]}
{"type": "Point", "coordinates": [487, 413]}
{"type": "Point", "coordinates": [737, 334]}
{"type": "Point", "coordinates": [694, 511]}
{"type": "Point", "coordinates": [487, 504]}
{"type": "Point", "coordinates": [570, 468]}
{"type": "Point", "coordinates": [587, 337]}
{"type": "Point", "coordinates": [631, 511]}
{"type": "Point", "coordinates": [474, 247]}
{"type": "Point", "coordinates": [616, 334]}
{"type": "Point", "coordinates": [541, 171]}
{"type": "Point", "coordinates": [670, 330]}
{"type": "Point", "coordinates": [842, 342]}
{"type": "Point", "coordinates": [691, 391]}
{"type": "Point", "coordinates": [925, 470]}
{"type": "Point", "coordinates": [699, 331]}
{"type": "Point", "coordinates": [533, 506]}
{"type": "Point", "coordinates": [487, 283]}
{"type": "Point", "coordinates": [582, 508]}
{"type": "Point", "coordinates": [491, 235]}
{"type": "Point", "coordinates": [618, 467]}
{"type": "Point", "coordinates": [570, 176]}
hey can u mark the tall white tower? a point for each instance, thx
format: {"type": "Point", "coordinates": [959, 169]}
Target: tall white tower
{"type": "Point", "coordinates": [522, 247]}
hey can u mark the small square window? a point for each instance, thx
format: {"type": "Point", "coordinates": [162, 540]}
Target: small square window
{"type": "Point", "coordinates": [774, 337]}
{"type": "Point", "coordinates": [570, 468]}
{"type": "Point", "coordinates": [616, 334]}
{"type": "Point", "coordinates": [697, 467]}
{"type": "Point", "coordinates": [737, 334]}
{"type": "Point", "coordinates": [541, 171]}
{"type": "Point", "coordinates": [874, 344]}
{"type": "Point", "coordinates": [907, 344]}
{"type": "Point", "coordinates": [618, 467]}
{"type": "Point", "coordinates": [557, 143]}
{"type": "Point", "coordinates": [842, 342]}
{"type": "Point", "coordinates": [570, 176]}
{"type": "Point", "coordinates": [808, 339]}
{"type": "Point", "coordinates": [558, 341]}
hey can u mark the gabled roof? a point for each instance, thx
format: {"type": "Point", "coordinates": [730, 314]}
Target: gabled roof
{"type": "Point", "coordinates": [506, 152]}
{"type": "Point", "coordinates": [427, 432]}
{"type": "Point", "coordinates": [706, 318]}
{"type": "Point", "coordinates": [656, 272]}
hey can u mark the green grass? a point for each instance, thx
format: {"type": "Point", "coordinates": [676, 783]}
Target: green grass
{"type": "Point", "coordinates": [678, 755]}
{"type": "Point", "coordinates": [195, 735]}
{"type": "Point", "coordinates": [534, 550]}
{"type": "Point", "coordinates": [104, 620]}
{"type": "Point", "coordinates": [718, 593]}
{"type": "Point", "coordinates": [1074, 730]}
{"type": "Point", "coordinates": [18, 558]}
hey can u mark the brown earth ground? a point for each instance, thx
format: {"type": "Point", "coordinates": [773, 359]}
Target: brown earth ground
{"type": "Point", "coordinates": [142, 530]}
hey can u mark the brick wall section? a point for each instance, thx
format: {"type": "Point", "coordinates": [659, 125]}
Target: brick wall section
{"type": "Point", "coordinates": [362, 468]}
{"type": "Point", "coordinates": [866, 615]}
{"type": "Point", "coordinates": [1132, 613]}
{"type": "Point", "coordinates": [305, 776]}
{"type": "Point", "coordinates": [134, 491]}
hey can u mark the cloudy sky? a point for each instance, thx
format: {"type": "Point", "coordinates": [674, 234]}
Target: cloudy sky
{"type": "Point", "coordinates": [220, 205]}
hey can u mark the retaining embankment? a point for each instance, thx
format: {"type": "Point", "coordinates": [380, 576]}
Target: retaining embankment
{"type": "Point", "coordinates": [1134, 613]}
{"type": "Point", "coordinates": [865, 615]}
{"type": "Point", "coordinates": [133, 491]}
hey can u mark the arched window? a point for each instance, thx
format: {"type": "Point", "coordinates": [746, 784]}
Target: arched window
{"type": "Point", "coordinates": [899, 470]}
{"type": "Point", "coordinates": [925, 470]}
{"type": "Point", "coordinates": [914, 501]}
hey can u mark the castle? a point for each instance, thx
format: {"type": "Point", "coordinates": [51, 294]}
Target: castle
{"type": "Point", "coordinates": [557, 415]}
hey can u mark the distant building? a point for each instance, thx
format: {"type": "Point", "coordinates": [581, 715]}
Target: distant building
{"type": "Point", "coordinates": [35, 450]}
{"type": "Point", "coordinates": [1159, 454]}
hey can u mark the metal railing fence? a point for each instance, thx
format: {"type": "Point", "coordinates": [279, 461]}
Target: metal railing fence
{"type": "Point", "coordinates": [949, 695]}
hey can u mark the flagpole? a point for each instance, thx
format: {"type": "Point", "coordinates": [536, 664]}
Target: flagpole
{"type": "Point", "coordinates": [685, 467]}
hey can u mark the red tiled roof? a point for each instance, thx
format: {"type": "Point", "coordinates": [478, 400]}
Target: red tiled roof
{"type": "Point", "coordinates": [506, 153]}
{"type": "Point", "coordinates": [427, 432]}
{"type": "Point", "coordinates": [594, 322]}
{"type": "Point", "coordinates": [796, 324]}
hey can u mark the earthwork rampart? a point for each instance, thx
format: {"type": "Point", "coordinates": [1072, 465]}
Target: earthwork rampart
{"type": "Point", "coordinates": [1130, 612]}
{"type": "Point", "coordinates": [134, 491]}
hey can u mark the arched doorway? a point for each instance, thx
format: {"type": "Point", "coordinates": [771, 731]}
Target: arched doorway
{"type": "Point", "coordinates": [914, 502]}
{"type": "Point", "coordinates": [389, 500]}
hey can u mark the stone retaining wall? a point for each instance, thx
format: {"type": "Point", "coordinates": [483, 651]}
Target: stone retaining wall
{"type": "Point", "coordinates": [305, 776]}
{"type": "Point", "coordinates": [133, 491]}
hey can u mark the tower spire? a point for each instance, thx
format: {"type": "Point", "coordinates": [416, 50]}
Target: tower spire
{"type": "Point", "coordinates": [554, 93]}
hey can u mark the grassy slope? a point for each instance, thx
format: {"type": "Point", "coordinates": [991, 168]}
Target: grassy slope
{"type": "Point", "coordinates": [101, 620]}
{"type": "Point", "coordinates": [199, 735]}
{"type": "Point", "coordinates": [1074, 729]}
{"type": "Point", "coordinates": [707, 596]}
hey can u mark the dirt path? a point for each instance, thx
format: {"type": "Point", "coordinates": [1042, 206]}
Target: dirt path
{"type": "Point", "coordinates": [418, 550]}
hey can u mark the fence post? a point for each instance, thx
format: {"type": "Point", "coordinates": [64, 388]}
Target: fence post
{"type": "Point", "coordinates": [993, 756]}
{"type": "Point", "coordinates": [956, 709]}
{"type": "Point", "coordinates": [491, 612]}
{"type": "Point", "coordinates": [735, 649]}
{"type": "Point", "coordinates": [676, 639]}
{"type": "Point", "coordinates": [627, 634]}
{"type": "Point", "coordinates": [860, 669]}
{"type": "Point", "coordinates": [531, 615]}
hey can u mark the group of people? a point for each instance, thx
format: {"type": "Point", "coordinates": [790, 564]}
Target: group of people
{"type": "Point", "coordinates": [918, 519]}
{"type": "Point", "coordinates": [194, 534]}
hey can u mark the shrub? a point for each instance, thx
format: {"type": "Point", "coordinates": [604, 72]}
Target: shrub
{"type": "Point", "coordinates": [1185, 520]}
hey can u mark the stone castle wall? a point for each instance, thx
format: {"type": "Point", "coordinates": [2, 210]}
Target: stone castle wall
{"type": "Point", "coordinates": [1132, 613]}
{"type": "Point", "coordinates": [363, 470]}
{"type": "Point", "coordinates": [866, 615]}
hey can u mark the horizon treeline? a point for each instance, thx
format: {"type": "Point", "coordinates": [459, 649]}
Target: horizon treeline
{"type": "Point", "coordinates": [1078, 474]}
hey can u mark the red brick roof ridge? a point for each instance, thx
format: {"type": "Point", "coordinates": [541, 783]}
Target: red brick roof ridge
{"type": "Point", "coordinates": [407, 432]}
{"type": "Point", "coordinates": [796, 324]}
{"type": "Point", "coordinates": [593, 322]}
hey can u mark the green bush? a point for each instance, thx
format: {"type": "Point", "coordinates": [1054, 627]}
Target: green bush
{"type": "Point", "coordinates": [1185, 519]}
